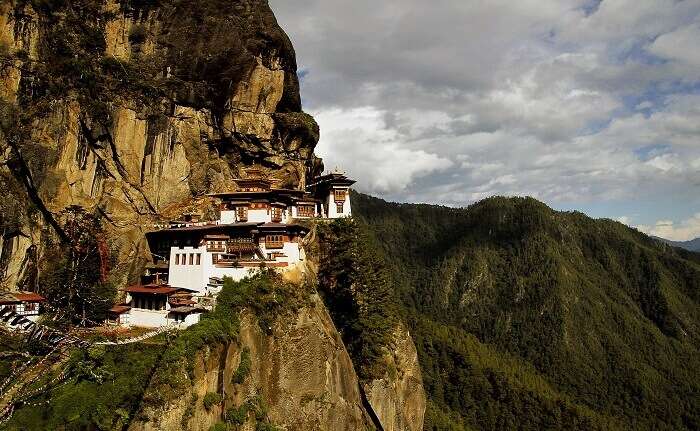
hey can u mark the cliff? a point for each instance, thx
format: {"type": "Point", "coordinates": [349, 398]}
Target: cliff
{"type": "Point", "coordinates": [299, 370]}
{"type": "Point", "coordinates": [135, 110]}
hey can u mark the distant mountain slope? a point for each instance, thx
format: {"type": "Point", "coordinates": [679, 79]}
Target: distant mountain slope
{"type": "Point", "coordinates": [692, 245]}
{"type": "Point", "coordinates": [527, 318]}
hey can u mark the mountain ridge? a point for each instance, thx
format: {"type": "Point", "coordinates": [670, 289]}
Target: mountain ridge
{"type": "Point", "coordinates": [600, 320]}
{"type": "Point", "coordinates": [690, 245]}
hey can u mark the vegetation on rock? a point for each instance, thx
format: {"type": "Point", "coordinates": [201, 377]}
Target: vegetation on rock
{"type": "Point", "coordinates": [527, 318]}
{"type": "Point", "coordinates": [358, 292]}
{"type": "Point", "coordinates": [109, 385]}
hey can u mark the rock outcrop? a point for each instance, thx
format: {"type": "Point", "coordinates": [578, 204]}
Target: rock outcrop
{"type": "Point", "coordinates": [136, 110]}
{"type": "Point", "coordinates": [398, 398]}
{"type": "Point", "coordinates": [299, 369]}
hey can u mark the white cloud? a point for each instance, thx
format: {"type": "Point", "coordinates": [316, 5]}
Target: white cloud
{"type": "Point", "coordinates": [358, 141]}
{"type": "Point", "coordinates": [680, 45]}
{"type": "Point", "coordinates": [683, 231]}
{"type": "Point", "coordinates": [451, 101]}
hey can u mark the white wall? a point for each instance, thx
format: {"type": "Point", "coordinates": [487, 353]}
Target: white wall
{"type": "Point", "coordinates": [332, 210]}
{"type": "Point", "coordinates": [190, 276]}
{"type": "Point", "coordinates": [259, 215]}
{"type": "Point", "coordinates": [148, 318]}
{"type": "Point", "coordinates": [228, 217]}
{"type": "Point", "coordinates": [254, 216]}
{"type": "Point", "coordinates": [291, 249]}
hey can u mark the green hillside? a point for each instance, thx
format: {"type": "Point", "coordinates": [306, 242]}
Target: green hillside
{"type": "Point", "coordinates": [528, 318]}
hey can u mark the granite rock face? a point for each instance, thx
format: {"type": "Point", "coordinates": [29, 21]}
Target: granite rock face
{"type": "Point", "coordinates": [299, 369]}
{"type": "Point", "coordinates": [398, 398]}
{"type": "Point", "coordinates": [135, 110]}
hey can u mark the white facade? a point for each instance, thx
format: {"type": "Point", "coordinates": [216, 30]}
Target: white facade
{"type": "Point", "coordinates": [141, 318]}
{"type": "Point", "coordinates": [332, 204]}
{"type": "Point", "coordinates": [196, 275]}
{"type": "Point", "coordinates": [228, 217]}
{"type": "Point", "coordinates": [146, 318]}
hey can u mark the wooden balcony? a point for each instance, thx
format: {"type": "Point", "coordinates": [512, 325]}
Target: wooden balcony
{"type": "Point", "coordinates": [274, 245]}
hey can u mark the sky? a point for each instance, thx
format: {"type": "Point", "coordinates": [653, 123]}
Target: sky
{"type": "Point", "coordinates": [584, 104]}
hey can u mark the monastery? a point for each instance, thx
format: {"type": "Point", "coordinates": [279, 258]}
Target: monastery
{"type": "Point", "coordinates": [256, 229]}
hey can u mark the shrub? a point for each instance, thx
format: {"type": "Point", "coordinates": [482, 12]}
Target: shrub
{"type": "Point", "coordinates": [211, 399]}
{"type": "Point", "coordinates": [219, 426]}
{"type": "Point", "coordinates": [237, 415]}
{"type": "Point", "coordinates": [243, 369]}
{"type": "Point", "coordinates": [138, 34]}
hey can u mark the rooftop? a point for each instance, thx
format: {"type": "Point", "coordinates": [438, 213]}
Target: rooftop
{"type": "Point", "coordinates": [119, 309]}
{"type": "Point", "coordinates": [17, 297]}
{"type": "Point", "coordinates": [156, 289]}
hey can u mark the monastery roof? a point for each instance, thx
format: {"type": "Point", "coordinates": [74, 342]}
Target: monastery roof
{"type": "Point", "coordinates": [185, 309]}
{"type": "Point", "coordinates": [17, 297]}
{"type": "Point", "coordinates": [290, 226]}
{"type": "Point", "coordinates": [249, 194]}
{"type": "Point", "coordinates": [208, 227]}
{"type": "Point", "coordinates": [156, 289]}
{"type": "Point", "coordinates": [8, 298]}
{"type": "Point", "coordinates": [332, 179]}
{"type": "Point", "coordinates": [119, 309]}
{"type": "Point", "coordinates": [29, 297]}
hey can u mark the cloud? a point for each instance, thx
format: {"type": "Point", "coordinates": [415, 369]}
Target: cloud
{"type": "Point", "coordinates": [451, 101]}
{"type": "Point", "coordinates": [684, 231]}
{"type": "Point", "coordinates": [385, 166]}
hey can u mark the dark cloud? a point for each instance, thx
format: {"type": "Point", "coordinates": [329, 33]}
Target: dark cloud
{"type": "Point", "coordinates": [450, 101]}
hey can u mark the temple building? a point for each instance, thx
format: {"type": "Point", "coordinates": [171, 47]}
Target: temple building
{"type": "Point", "coordinates": [153, 306]}
{"type": "Point", "coordinates": [256, 229]}
{"type": "Point", "coordinates": [27, 304]}
{"type": "Point", "coordinates": [333, 190]}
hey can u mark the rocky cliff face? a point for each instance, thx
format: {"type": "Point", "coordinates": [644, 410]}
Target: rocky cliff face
{"type": "Point", "coordinates": [135, 110]}
{"type": "Point", "coordinates": [398, 398]}
{"type": "Point", "coordinates": [300, 377]}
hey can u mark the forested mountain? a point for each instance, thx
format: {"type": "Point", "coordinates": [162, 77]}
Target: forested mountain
{"type": "Point", "coordinates": [528, 318]}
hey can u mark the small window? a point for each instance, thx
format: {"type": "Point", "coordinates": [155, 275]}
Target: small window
{"type": "Point", "coordinates": [277, 214]}
{"type": "Point", "coordinates": [274, 241]}
{"type": "Point", "coordinates": [199, 259]}
{"type": "Point", "coordinates": [191, 258]}
{"type": "Point", "coordinates": [215, 258]}
{"type": "Point", "coordinates": [339, 195]}
{"type": "Point", "coordinates": [177, 259]}
{"type": "Point", "coordinates": [339, 208]}
{"type": "Point", "coordinates": [305, 211]}
{"type": "Point", "coordinates": [242, 213]}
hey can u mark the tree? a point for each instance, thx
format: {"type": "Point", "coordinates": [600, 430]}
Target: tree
{"type": "Point", "coordinates": [75, 277]}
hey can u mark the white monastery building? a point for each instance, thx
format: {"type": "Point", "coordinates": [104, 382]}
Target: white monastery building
{"type": "Point", "coordinates": [256, 229]}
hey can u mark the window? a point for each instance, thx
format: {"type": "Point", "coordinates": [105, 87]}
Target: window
{"type": "Point", "coordinates": [305, 211]}
{"type": "Point", "coordinates": [199, 258]}
{"type": "Point", "coordinates": [191, 258]}
{"type": "Point", "coordinates": [274, 241]}
{"type": "Point", "coordinates": [242, 213]}
{"type": "Point", "coordinates": [177, 259]}
{"type": "Point", "coordinates": [276, 214]}
{"type": "Point", "coordinates": [339, 195]}
{"type": "Point", "coordinates": [339, 208]}
{"type": "Point", "coordinates": [215, 258]}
